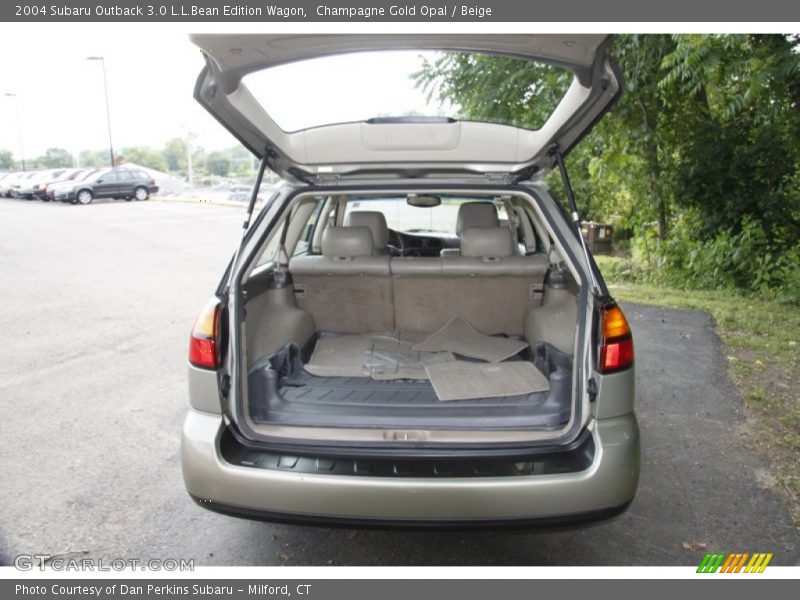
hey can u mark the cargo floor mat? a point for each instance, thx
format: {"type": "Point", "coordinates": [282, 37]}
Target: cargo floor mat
{"type": "Point", "coordinates": [461, 380]}
{"type": "Point", "coordinates": [459, 337]}
{"type": "Point", "coordinates": [381, 356]}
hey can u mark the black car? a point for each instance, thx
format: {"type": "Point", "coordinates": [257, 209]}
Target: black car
{"type": "Point", "coordinates": [119, 182]}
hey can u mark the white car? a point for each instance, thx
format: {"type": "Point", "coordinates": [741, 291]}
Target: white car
{"type": "Point", "coordinates": [412, 331]}
{"type": "Point", "coordinates": [28, 186]}
{"type": "Point", "coordinates": [10, 184]}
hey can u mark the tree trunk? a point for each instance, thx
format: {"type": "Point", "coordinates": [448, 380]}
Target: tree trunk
{"type": "Point", "coordinates": [653, 165]}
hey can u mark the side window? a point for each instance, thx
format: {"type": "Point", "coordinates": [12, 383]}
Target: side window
{"type": "Point", "coordinates": [270, 251]}
{"type": "Point", "coordinates": [110, 177]}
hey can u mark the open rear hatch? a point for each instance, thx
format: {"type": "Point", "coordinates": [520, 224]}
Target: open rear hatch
{"type": "Point", "coordinates": [399, 146]}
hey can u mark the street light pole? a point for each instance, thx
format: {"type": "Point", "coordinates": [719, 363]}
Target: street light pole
{"type": "Point", "coordinates": [108, 110]}
{"type": "Point", "coordinates": [19, 128]}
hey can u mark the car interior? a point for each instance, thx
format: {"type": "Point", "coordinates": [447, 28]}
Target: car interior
{"type": "Point", "coordinates": [429, 311]}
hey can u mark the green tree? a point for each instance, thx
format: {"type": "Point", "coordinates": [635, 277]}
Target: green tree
{"type": "Point", "coordinates": [704, 143]}
{"type": "Point", "coordinates": [740, 159]}
{"type": "Point", "coordinates": [146, 157]}
{"type": "Point", "coordinates": [94, 158]}
{"type": "Point", "coordinates": [627, 150]}
{"type": "Point", "coordinates": [6, 160]}
{"type": "Point", "coordinates": [218, 163]}
{"type": "Point", "coordinates": [493, 88]}
{"type": "Point", "coordinates": [175, 154]}
{"type": "Point", "coordinates": [56, 157]}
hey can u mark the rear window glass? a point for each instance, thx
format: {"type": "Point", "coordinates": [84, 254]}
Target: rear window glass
{"type": "Point", "coordinates": [400, 216]}
{"type": "Point", "coordinates": [366, 85]}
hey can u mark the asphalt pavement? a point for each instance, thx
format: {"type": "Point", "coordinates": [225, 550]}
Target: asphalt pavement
{"type": "Point", "coordinates": [97, 304]}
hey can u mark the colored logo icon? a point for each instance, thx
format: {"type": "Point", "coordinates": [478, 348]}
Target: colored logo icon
{"type": "Point", "coordinates": [722, 562]}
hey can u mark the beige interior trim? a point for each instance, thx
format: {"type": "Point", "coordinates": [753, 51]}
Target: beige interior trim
{"type": "Point", "coordinates": [441, 436]}
{"type": "Point", "coordinates": [324, 217]}
{"type": "Point", "coordinates": [298, 222]}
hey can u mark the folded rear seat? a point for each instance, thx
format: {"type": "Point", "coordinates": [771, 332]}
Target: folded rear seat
{"type": "Point", "coordinates": [487, 284]}
{"type": "Point", "coordinates": [346, 289]}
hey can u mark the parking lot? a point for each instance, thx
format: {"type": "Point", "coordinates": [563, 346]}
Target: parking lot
{"type": "Point", "coordinates": [98, 302]}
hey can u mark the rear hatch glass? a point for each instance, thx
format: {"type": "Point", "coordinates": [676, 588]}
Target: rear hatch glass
{"type": "Point", "coordinates": [360, 86]}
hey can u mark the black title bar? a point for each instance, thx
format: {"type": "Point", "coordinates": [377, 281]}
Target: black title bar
{"type": "Point", "coordinates": [741, 11]}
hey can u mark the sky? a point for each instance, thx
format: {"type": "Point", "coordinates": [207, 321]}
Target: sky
{"type": "Point", "coordinates": [151, 71]}
{"type": "Point", "coordinates": [60, 92]}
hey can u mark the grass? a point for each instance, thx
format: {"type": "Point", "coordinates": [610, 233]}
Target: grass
{"type": "Point", "coordinates": [762, 340]}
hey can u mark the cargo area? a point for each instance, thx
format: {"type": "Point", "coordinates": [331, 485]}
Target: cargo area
{"type": "Point", "coordinates": [529, 389]}
{"type": "Point", "coordinates": [367, 326]}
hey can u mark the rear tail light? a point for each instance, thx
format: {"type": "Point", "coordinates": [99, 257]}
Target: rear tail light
{"type": "Point", "coordinates": [616, 345]}
{"type": "Point", "coordinates": [203, 351]}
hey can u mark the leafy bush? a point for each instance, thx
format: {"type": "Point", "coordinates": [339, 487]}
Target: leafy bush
{"type": "Point", "coordinates": [747, 260]}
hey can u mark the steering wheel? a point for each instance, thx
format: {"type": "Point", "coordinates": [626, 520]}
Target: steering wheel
{"type": "Point", "coordinates": [399, 249]}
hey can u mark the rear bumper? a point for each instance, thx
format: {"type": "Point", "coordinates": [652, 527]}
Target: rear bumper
{"type": "Point", "coordinates": [601, 490]}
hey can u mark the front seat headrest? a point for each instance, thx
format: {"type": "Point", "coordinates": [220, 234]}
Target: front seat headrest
{"type": "Point", "coordinates": [346, 242]}
{"type": "Point", "coordinates": [376, 223]}
{"type": "Point", "coordinates": [476, 214]}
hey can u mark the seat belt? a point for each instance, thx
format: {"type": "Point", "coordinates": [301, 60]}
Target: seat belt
{"type": "Point", "coordinates": [513, 220]}
{"type": "Point", "coordinates": [282, 256]}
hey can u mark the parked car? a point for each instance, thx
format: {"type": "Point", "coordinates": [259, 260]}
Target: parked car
{"type": "Point", "coordinates": [69, 182]}
{"type": "Point", "coordinates": [412, 331]}
{"type": "Point", "coordinates": [26, 188]}
{"type": "Point", "coordinates": [4, 179]}
{"type": "Point", "coordinates": [40, 187]}
{"type": "Point", "coordinates": [112, 183]}
{"type": "Point", "coordinates": [242, 193]}
{"type": "Point", "coordinates": [14, 182]}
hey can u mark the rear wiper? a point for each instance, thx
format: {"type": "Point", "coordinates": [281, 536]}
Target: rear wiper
{"type": "Point", "coordinates": [417, 119]}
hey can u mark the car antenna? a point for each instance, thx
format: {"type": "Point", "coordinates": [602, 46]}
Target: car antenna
{"type": "Point", "coordinates": [576, 217]}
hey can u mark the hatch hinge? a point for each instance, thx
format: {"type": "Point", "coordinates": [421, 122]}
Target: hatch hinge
{"type": "Point", "coordinates": [323, 179]}
{"type": "Point", "coordinates": [498, 178]}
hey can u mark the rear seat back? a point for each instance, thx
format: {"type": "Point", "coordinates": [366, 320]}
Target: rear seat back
{"type": "Point", "coordinates": [487, 285]}
{"type": "Point", "coordinates": [346, 289]}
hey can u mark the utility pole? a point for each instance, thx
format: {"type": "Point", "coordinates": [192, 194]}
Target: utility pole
{"type": "Point", "coordinates": [19, 128]}
{"type": "Point", "coordinates": [108, 110]}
